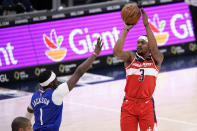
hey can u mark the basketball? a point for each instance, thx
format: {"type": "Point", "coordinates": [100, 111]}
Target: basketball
{"type": "Point", "coordinates": [130, 14]}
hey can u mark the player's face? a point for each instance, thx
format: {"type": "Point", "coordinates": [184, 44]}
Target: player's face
{"type": "Point", "coordinates": [142, 47]}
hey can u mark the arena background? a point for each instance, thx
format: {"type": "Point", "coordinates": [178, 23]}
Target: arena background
{"type": "Point", "coordinates": [25, 51]}
{"type": "Point", "coordinates": [61, 39]}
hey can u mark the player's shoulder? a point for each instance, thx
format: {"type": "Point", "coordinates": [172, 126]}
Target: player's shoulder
{"type": "Point", "coordinates": [35, 95]}
{"type": "Point", "coordinates": [61, 88]}
{"type": "Point", "coordinates": [36, 92]}
{"type": "Point", "coordinates": [65, 84]}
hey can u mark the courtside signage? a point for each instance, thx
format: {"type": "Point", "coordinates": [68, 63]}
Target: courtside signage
{"type": "Point", "coordinates": [74, 38]}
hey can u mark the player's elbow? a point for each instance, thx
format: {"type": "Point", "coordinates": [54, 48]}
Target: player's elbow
{"type": "Point", "coordinates": [29, 110]}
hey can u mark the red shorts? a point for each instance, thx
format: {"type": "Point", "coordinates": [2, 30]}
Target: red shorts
{"type": "Point", "coordinates": [138, 111]}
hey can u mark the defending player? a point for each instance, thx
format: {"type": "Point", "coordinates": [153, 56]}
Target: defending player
{"type": "Point", "coordinates": [47, 105]}
{"type": "Point", "coordinates": [142, 69]}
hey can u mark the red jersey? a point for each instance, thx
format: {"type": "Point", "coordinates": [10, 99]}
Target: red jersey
{"type": "Point", "coordinates": [141, 77]}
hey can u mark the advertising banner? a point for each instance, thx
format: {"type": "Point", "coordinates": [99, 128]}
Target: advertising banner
{"type": "Point", "coordinates": [74, 38]}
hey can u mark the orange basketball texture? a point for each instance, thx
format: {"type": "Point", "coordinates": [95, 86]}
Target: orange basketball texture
{"type": "Point", "coordinates": [130, 14]}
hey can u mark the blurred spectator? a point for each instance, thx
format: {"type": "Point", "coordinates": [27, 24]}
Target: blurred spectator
{"type": "Point", "coordinates": [6, 10]}
{"type": "Point", "coordinates": [15, 6]}
{"type": "Point", "coordinates": [193, 9]}
{"type": "Point", "coordinates": [26, 4]}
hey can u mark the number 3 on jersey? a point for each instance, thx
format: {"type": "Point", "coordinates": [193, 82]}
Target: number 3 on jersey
{"type": "Point", "coordinates": [142, 75]}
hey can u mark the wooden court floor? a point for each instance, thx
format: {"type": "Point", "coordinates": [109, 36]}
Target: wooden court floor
{"type": "Point", "coordinates": [96, 107]}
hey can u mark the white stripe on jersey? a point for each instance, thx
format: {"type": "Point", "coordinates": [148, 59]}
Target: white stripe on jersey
{"type": "Point", "coordinates": [147, 71]}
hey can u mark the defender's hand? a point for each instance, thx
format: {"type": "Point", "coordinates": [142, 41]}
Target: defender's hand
{"type": "Point", "coordinates": [145, 17]}
{"type": "Point", "coordinates": [98, 46]}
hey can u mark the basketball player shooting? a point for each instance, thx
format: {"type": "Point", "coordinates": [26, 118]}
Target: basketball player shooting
{"type": "Point", "coordinates": [47, 105]}
{"type": "Point", "coordinates": [142, 69]}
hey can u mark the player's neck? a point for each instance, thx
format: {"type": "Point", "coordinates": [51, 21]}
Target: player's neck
{"type": "Point", "coordinates": [46, 88]}
{"type": "Point", "coordinates": [145, 56]}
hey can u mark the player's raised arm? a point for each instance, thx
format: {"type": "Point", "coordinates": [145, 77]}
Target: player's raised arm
{"type": "Point", "coordinates": [157, 56]}
{"type": "Point", "coordinates": [118, 51]}
{"type": "Point", "coordinates": [82, 68]}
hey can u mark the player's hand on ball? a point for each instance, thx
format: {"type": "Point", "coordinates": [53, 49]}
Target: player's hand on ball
{"type": "Point", "coordinates": [145, 17]}
{"type": "Point", "coordinates": [128, 27]}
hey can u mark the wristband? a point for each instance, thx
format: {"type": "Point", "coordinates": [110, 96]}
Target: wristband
{"type": "Point", "coordinates": [95, 54]}
{"type": "Point", "coordinates": [146, 24]}
{"type": "Point", "coordinates": [126, 29]}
